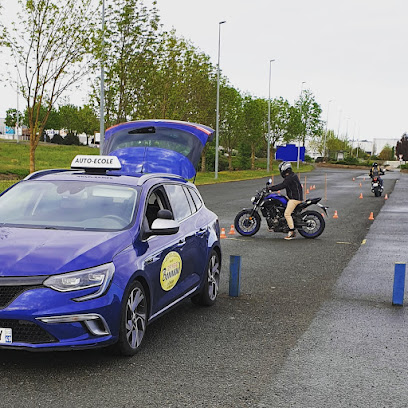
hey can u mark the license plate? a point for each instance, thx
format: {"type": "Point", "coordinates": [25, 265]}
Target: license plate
{"type": "Point", "coordinates": [6, 335]}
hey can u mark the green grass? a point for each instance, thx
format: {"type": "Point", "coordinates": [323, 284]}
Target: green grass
{"type": "Point", "coordinates": [15, 157]}
{"type": "Point", "coordinates": [15, 165]}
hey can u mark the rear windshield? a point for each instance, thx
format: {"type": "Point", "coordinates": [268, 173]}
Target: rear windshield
{"type": "Point", "coordinates": [68, 205]}
{"type": "Point", "coordinates": [165, 138]}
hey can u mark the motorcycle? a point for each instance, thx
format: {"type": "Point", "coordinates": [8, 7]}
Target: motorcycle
{"type": "Point", "coordinates": [309, 223]}
{"type": "Point", "coordinates": [376, 186]}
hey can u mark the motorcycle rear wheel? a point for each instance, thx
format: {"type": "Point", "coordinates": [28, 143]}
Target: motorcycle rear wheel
{"type": "Point", "coordinates": [247, 223]}
{"type": "Point", "coordinates": [315, 224]}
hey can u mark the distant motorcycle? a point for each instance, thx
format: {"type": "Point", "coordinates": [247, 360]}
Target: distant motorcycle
{"type": "Point", "coordinates": [376, 186]}
{"type": "Point", "coordinates": [310, 224]}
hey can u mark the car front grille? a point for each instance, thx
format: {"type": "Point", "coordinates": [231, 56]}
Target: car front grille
{"type": "Point", "coordinates": [27, 332]}
{"type": "Point", "coordinates": [9, 293]}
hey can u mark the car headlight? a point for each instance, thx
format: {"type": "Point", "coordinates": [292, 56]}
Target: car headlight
{"type": "Point", "coordinates": [98, 277]}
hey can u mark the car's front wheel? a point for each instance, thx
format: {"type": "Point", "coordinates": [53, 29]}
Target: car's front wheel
{"type": "Point", "coordinates": [209, 292]}
{"type": "Point", "coordinates": [133, 320]}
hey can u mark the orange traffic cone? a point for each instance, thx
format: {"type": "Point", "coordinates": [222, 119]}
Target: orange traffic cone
{"type": "Point", "coordinates": [353, 179]}
{"type": "Point", "coordinates": [314, 187]}
{"type": "Point", "coordinates": [360, 185]}
{"type": "Point", "coordinates": [361, 195]}
{"type": "Point", "coordinates": [386, 197]}
{"type": "Point", "coordinates": [335, 214]}
{"type": "Point", "coordinates": [232, 230]}
{"type": "Point", "coordinates": [371, 217]}
{"type": "Point", "coordinates": [307, 191]}
{"type": "Point", "coordinates": [223, 233]}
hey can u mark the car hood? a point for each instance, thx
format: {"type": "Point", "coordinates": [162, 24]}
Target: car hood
{"type": "Point", "coordinates": [158, 146]}
{"type": "Point", "coordinates": [28, 252]}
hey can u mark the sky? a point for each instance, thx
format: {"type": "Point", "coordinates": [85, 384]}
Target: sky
{"type": "Point", "coordinates": [351, 54]}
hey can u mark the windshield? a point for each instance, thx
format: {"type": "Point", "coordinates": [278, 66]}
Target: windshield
{"type": "Point", "coordinates": [68, 205]}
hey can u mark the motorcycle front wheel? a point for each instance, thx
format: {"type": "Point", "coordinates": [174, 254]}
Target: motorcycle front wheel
{"type": "Point", "coordinates": [315, 224]}
{"type": "Point", "coordinates": [247, 223]}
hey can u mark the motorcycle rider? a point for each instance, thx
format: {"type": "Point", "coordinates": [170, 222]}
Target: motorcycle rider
{"type": "Point", "coordinates": [294, 191]}
{"type": "Point", "coordinates": [375, 171]}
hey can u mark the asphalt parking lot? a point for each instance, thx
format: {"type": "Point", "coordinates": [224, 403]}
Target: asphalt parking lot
{"type": "Point", "coordinates": [309, 328]}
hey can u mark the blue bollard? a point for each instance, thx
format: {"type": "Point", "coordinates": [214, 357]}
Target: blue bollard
{"type": "Point", "coordinates": [399, 284]}
{"type": "Point", "coordinates": [235, 275]}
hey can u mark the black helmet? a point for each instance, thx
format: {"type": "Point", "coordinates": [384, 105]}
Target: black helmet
{"type": "Point", "coordinates": [285, 167]}
{"type": "Point", "coordinates": [375, 164]}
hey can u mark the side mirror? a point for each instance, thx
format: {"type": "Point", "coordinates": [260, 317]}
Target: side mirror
{"type": "Point", "coordinates": [269, 182]}
{"type": "Point", "coordinates": [164, 226]}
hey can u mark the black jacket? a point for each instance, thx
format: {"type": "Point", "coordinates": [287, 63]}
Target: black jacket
{"type": "Point", "coordinates": [292, 185]}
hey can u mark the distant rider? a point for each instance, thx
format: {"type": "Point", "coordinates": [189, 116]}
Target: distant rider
{"type": "Point", "coordinates": [376, 171]}
{"type": "Point", "coordinates": [294, 191]}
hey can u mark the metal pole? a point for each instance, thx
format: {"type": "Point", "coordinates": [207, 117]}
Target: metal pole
{"type": "Point", "coordinates": [268, 159]}
{"type": "Point", "coordinates": [217, 135]}
{"type": "Point", "coordinates": [325, 134]}
{"type": "Point", "coordinates": [102, 95]}
{"type": "Point", "coordinates": [301, 93]}
{"type": "Point", "coordinates": [18, 115]}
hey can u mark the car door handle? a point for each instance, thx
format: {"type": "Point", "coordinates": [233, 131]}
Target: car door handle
{"type": "Point", "coordinates": [154, 258]}
{"type": "Point", "coordinates": [181, 243]}
{"type": "Point", "coordinates": [201, 232]}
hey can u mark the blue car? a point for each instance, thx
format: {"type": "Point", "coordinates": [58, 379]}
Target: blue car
{"type": "Point", "coordinates": [90, 256]}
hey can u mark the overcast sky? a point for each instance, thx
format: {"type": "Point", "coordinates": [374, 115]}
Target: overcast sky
{"type": "Point", "coordinates": [352, 52]}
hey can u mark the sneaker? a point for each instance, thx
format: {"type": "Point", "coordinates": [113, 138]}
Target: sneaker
{"type": "Point", "coordinates": [291, 235]}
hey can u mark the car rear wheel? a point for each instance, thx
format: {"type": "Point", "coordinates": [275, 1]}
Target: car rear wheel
{"type": "Point", "coordinates": [209, 293]}
{"type": "Point", "coordinates": [133, 320]}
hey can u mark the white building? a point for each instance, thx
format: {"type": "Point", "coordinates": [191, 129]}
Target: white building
{"type": "Point", "coordinates": [379, 144]}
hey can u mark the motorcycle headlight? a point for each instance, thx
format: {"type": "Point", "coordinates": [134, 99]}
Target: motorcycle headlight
{"type": "Point", "coordinates": [98, 277]}
{"type": "Point", "coordinates": [253, 199]}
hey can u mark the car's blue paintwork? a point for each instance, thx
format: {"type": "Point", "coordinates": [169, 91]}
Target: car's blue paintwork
{"type": "Point", "coordinates": [36, 252]}
{"type": "Point", "coordinates": [158, 160]}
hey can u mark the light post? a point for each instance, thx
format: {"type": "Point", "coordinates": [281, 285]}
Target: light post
{"type": "Point", "coordinates": [325, 133]}
{"type": "Point", "coordinates": [269, 117]}
{"type": "Point", "coordinates": [301, 102]}
{"type": "Point", "coordinates": [217, 136]}
{"type": "Point", "coordinates": [102, 94]}
{"type": "Point", "coordinates": [18, 107]}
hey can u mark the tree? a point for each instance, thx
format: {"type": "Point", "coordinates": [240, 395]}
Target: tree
{"type": "Point", "coordinates": [130, 47]}
{"type": "Point", "coordinates": [402, 147]}
{"type": "Point", "coordinates": [386, 153]}
{"type": "Point", "coordinates": [231, 120]}
{"type": "Point", "coordinates": [11, 117]}
{"type": "Point", "coordinates": [88, 122]}
{"type": "Point", "coordinates": [280, 122]}
{"type": "Point", "coordinates": [50, 43]}
{"type": "Point", "coordinates": [255, 125]}
{"type": "Point", "coordinates": [310, 112]}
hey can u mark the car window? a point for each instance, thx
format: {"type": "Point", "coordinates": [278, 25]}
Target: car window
{"type": "Point", "coordinates": [190, 200]}
{"type": "Point", "coordinates": [178, 200]}
{"type": "Point", "coordinates": [197, 199]}
{"type": "Point", "coordinates": [68, 205]}
{"type": "Point", "coordinates": [155, 202]}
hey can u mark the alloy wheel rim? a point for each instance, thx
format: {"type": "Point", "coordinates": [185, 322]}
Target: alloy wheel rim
{"type": "Point", "coordinates": [213, 277]}
{"type": "Point", "coordinates": [135, 317]}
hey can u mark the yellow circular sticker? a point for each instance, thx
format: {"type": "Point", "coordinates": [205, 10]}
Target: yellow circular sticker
{"type": "Point", "coordinates": [170, 271]}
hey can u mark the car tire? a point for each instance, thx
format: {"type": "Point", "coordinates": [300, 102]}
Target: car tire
{"type": "Point", "coordinates": [133, 320]}
{"type": "Point", "coordinates": [209, 292]}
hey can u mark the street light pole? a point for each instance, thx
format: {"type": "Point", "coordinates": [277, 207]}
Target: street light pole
{"type": "Point", "coordinates": [325, 133]}
{"type": "Point", "coordinates": [269, 118]}
{"type": "Point", "coordinates": [301, 93]}
{"type": "Point", "coordinates": [217, 136]}
{"type": "Point", "coordinates": [102, 94]}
